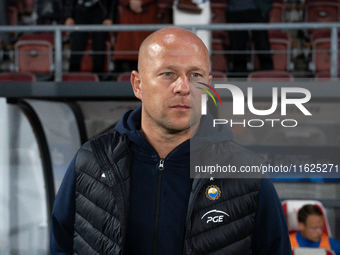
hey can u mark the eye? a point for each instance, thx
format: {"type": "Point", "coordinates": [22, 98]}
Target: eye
{"type": "Point", "coordinates": [167, 74]}
{"type": "Point", "coordinates": [196, 75]}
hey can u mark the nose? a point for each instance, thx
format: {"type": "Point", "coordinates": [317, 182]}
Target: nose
{"type": "Point", "coordinates": [182, 85]}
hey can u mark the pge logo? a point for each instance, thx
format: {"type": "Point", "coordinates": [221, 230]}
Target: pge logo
{"type": "Point", "coordinates": [215, 218]}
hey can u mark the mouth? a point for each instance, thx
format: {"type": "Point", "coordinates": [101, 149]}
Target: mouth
{"type": "Point", "coordinates": [181, 107]}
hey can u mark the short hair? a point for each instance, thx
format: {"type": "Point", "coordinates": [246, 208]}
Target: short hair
{"type": "Point", "coordinates": [307, 210]}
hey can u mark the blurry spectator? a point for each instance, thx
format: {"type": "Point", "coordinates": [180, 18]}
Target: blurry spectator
{"type": "Point", "coordinates": [187, 12]}
{"type": "Point", "coordinates": [311, 234]}
{"type": "Point", "coordinates": [127, 46]}
{"type": "Point", "coordinates": [165, 12]}
{"type": "Point", "coordinates": [249, 11]}
{"type": "Point", "coordinates": [5, 37]}
{"type": "Point", "coordinates": [49, 11]}
{"type": "Point", "coordinates": [89, 12]}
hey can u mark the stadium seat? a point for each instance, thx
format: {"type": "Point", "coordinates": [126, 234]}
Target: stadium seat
{"type": "Point", "coordinates": [12, 15]}
{"type": "Point", "coordinates": [80, 77]}
{"type": "Point", "coordinates": [1, 52]}
{"type": "Point", "coordinates": [291, 208]}
{"type": "Point", "coordinates": [38, 36]}
{"type": "Point", "coordinates": [278, 12]}
{"type": "Point", "coordinates": [29, 5]}
{"type": "Point", "coordinates": [219, 76]}
{"type": "Point", "coordinates": [320, 59]}
{"type": "Point", "coordinates": [28, 77]}
{"type": "Point", "coordinates": [218, 8]}
{"type": "Point", "coordinates": [324, 76]}
{"type": "Point", "coordinates": [13, 19]}
{"type": "Point", "coordinates": [312, 251]}
{"type": "Point", "coordinates": [220, 39]}
{"type": "Point", "coordinates": [321, 10]}
{"type": "Point", "coordinates": [165, 11]}
{"type": "Point", "coordinates": [280, 43]}
{"type": "Point", "coordinates": [218, 56]}
{"type": "Point", "coordinates": [270, 76]}
{"type": "Point", "coordinates": [34, 53]}
{"type": "Point", "coordinates": [124, 76]}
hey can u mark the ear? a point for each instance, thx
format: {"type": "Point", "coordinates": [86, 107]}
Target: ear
{"type": "Point", "coordinates": [136, 84]}
{"type": "Point", "coordinates": [210, 79]}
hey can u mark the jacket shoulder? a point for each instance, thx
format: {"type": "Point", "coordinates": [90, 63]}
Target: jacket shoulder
{"type": "Point", "coordinates": [107, 149]}
{"type": "Point", "coordinates": [238, 152]}
{"type": "Point", "coordinates": [108, 137]}
{"type": "Point", "coordinates": [88, 150]}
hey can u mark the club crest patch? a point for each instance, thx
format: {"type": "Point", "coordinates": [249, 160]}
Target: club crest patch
{"type": "Point", "coordinates": [213, 192]}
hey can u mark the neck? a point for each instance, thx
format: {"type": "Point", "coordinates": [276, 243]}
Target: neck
{"type": "Point", "coordinates": [163, 141]}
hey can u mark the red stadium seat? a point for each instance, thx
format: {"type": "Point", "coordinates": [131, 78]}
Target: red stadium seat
{"type": "Point", "coordinates": [218, 56]}
{"type": "Point", "coordinates": [220, 39]}
{"type": "Point", "coordinates": [324, 76]}
{"type": "Point", "coordinates": [12, 15]}
{"type": "Point", "coordinates": [80, 77]}
{"type": "Point", "coordinates": [124, 76]}
{"type": "Point", "coordinates": [13, 18]}
{"type": "Point", "coordinates": [165, 11]}
{"type": "Point", "coordinates": [280, 43]}
{"type": "Point", "coordinates": [41, 36]}
{"type": "Point", "coordinates": [321, 10]}
{"type": "Point", "coordinates": [278, 12]}
{"type": "Point", "coordinates": [1, 52]}
{"type": "Point", "coordinates": [270, 76]}
{"type": "Point", "coordinates": [291, 208]}
{"type": "Point", "coordinates": [219, 76]}
{"type": "Point", "coordinates": [34, 53]}
{"type": "Point", "coordinates": [320, 41]}
{"type": "Point", "coordinates": [28, 77]}
{"type": "Point", "coordinates": [29, 5]}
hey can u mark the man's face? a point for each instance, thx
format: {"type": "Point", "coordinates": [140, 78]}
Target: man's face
{"type": "Point", "coordinates": [312, 229]}
{"type": "Point", "coordinates": [165, 75]}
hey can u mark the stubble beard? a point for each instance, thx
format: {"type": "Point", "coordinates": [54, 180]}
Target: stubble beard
{"type": "Point", "coordinates": [169, 125]}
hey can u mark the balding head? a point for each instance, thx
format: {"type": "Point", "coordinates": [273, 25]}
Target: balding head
{"type": "Point", "coordinates": [168, 60]}
{"type": "Point", "coordinates": [170, 39]}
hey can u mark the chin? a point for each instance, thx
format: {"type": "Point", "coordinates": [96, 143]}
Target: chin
{"type": "Point", "coordinates": [177, 126]}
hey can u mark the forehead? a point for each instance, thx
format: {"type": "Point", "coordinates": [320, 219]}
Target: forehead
{"type": "Point", "coordinates": [177, 54]}
{"type": "Point", "coordinates": [175, 49]}
{"type": "Point", "coordinates": [313, 220]}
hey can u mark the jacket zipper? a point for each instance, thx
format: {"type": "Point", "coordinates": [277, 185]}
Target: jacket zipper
{"type": "Point", "coordinates": [158, 202]}
{"type": "Point", "coordinates": [158, 197]}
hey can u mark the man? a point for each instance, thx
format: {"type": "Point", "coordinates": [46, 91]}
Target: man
{"type": "Point", "coordinates": [249, 11]}
{"type": "Point", "coordinates": [129, 191]}
{"type": "Point", "coordinates": [311, 234]}
{"type": "Point", "coordinates": [128, 42]}
{"type": "Point", "coordinates": [94, 12]}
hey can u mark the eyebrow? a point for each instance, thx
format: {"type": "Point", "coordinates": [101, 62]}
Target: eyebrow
{"type": "Point", "coordinates": [193, 68]}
